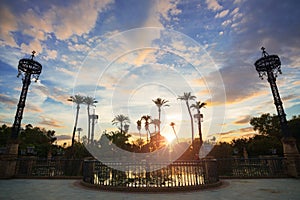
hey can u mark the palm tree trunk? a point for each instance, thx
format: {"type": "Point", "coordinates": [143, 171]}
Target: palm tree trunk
{"type": "Point", "coordinates": [89, 124]}
{"type": "Point", "coordinates": [159, 111]}
{"type": "Point", "coordinates": [192, 124]}
{"type": "Point", "coordinates": [199, 127]}
{"type": "Point", "coordinates": [121, 124]}
{"type": "Point", "coordinates": [75, 125]}
{"type": "Point", "coordinates": [175, 134]}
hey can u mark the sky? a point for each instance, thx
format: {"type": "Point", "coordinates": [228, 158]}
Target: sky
{"type": "Point", "coordinates": [127, 53]}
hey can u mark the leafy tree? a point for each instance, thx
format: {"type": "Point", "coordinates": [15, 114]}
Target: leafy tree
{"type": "Point", "coordinates": [160, 103]}
{"type": "Point", "coordinates": [5, 133]}
{"type": "Point", "coordinates": [221, 150]}
{"type": "Point", "coordinates": [294, 127]}
{"type": "Point", "coordinates": [267, 125]}
{"type": "Point", "coordinates": [187, 96]}
{"type": "Point", "coordinates": [77, 151]}
{"type": "Point", "coordinates": [258, 145]}
{"type": "Point", "coordinates": [39, 139]}
{"type": "Point", "coordinates": [239, 145]}
{"type": "Point", "coordinates": [264, 145]}
{"type": "Point", "coordinates": [120, 139]}
{"type": "Point", "coordinates": [77, 99]}
{"type": "Point", "coordinates": [198, 105]}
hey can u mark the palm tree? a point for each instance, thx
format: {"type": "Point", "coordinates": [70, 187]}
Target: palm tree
{"type": "Point", "coordinates": [122, 120]}
{"type": "Point", "coordinates": [160, 103]}
{"type": "Point", "coordinates": [172, 125]}
{"type": "Point", "coordinates": [77, 99]}
{"type": "Point", "coordinates": [139, 126]}
{"type": "Point", "coordinates": [186, 97]}
{"type": "Point", "coordinates": [89, 101]}
{"type": "Point", "coordinates": [198, 105]}
{"type": "Point", "coordinates": [147, 118]}
{"type": "Point", "coordinates": [156, 123]}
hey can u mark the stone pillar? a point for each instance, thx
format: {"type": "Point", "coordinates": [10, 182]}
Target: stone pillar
{"type": "Point", "coordinates": [8, 161]}
{"type": "Point", "coordinates": [211, 170]}
{"type": "Point", "coordinates": [292, 156]}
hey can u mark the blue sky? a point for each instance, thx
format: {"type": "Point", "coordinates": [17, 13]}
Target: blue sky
{"type": "Point", "coordinates": [126, 53]}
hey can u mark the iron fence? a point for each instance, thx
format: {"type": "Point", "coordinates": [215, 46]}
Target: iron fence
{"type": "Point", "coordinates": [252, 168]}
{"type": "Point", "coordinates": [177, 174]}
{"type": "Point", "coordinates": [36, 167]}
{"type": "Point", "coordinates": [150, 175]}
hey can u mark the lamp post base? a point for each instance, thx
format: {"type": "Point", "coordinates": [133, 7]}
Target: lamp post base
{"type": "Point", "coordinates": [292, 156]}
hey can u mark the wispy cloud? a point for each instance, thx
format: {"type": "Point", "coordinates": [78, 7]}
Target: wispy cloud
{"type": "Point", "coordinates": [8, 25]}
{"type": "Point", "coordinates": [222, 14]}
{"type": "Point", "coordinates": [243, 120]}
{"type": "Point", "coordinates": [213, 5]}
{"type": "Point", "coordinates": [7, 100]}
{"type": "Point", "coordinates": [50, 122]}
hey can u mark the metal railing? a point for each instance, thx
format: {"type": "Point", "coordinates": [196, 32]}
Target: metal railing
{"type": "Point", "coordinates": [150, 175]}
{"type": "Point", "coordinates": [252, 168]}
{"type": "Point", "coordinates": [48, 168]}
{"type": "Point", "coordinates": [136, 174]}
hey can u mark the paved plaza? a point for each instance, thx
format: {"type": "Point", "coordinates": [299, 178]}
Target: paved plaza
{"type": "Point", "coordinates": [252, 189]}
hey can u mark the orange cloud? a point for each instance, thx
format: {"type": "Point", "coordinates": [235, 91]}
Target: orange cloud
{"type": "Point", "coordinates": [238, 133]}
{"type": "Point", "coordinates": [50, 122]}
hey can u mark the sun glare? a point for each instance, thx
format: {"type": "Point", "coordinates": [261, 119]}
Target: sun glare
{"type": "Point", "coordinates": [169, 138]}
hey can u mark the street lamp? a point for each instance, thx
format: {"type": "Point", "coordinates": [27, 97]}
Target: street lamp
{"type": "Point", "coordinates": [94, 119]}
{"type": "Point", "coordinates": [270, 66]}
{"type": "Point", "coordinates": [27, 68]}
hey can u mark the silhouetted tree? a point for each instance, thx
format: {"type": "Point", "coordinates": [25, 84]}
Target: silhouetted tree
{"type": "Point", "coordinates": [147, 118]}
{"type": "Point", "coordinates": [5, 134]}
{"type": "Point", "coordinates": [160, 103]}
{"type": "Point", "coordinates": [77, 99]}
{"type": "Point", "coordinates": [187, 96]}
{"type": "Point", "coordinates": [120, 139]}
{"type": "Point", "coordinates": [139, 127]}
{"type": "Point", "coordinates": [267, 125]}
{"type": "Point", "coordinates": [156, 123]}
{"type": "Point", "coordinates": [172, 125]}
{"type": "Point", "coordinates": [89, 101]}
{"type": "Point", "coordinates": [122, 120]}
{"type": "Point", "coordinates": [40, 140]}
{"type": "Point", "coordinates": [294, 127]}
{"type": "Point", "coordinates": [221, 150]}
{"type": "Point", "coordinates": [198, 105]}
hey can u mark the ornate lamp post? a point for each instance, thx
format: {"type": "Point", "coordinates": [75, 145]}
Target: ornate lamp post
{"type": "Point", "coordinates": [27, 68]}
{"type": "Point", "coordinates": [94, 119]}
{"type": "Point", "coordinates": [270, 66]}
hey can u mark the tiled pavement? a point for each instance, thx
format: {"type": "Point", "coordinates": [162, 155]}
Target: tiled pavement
{"type": "Point", "coordinates": [242, 189]}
